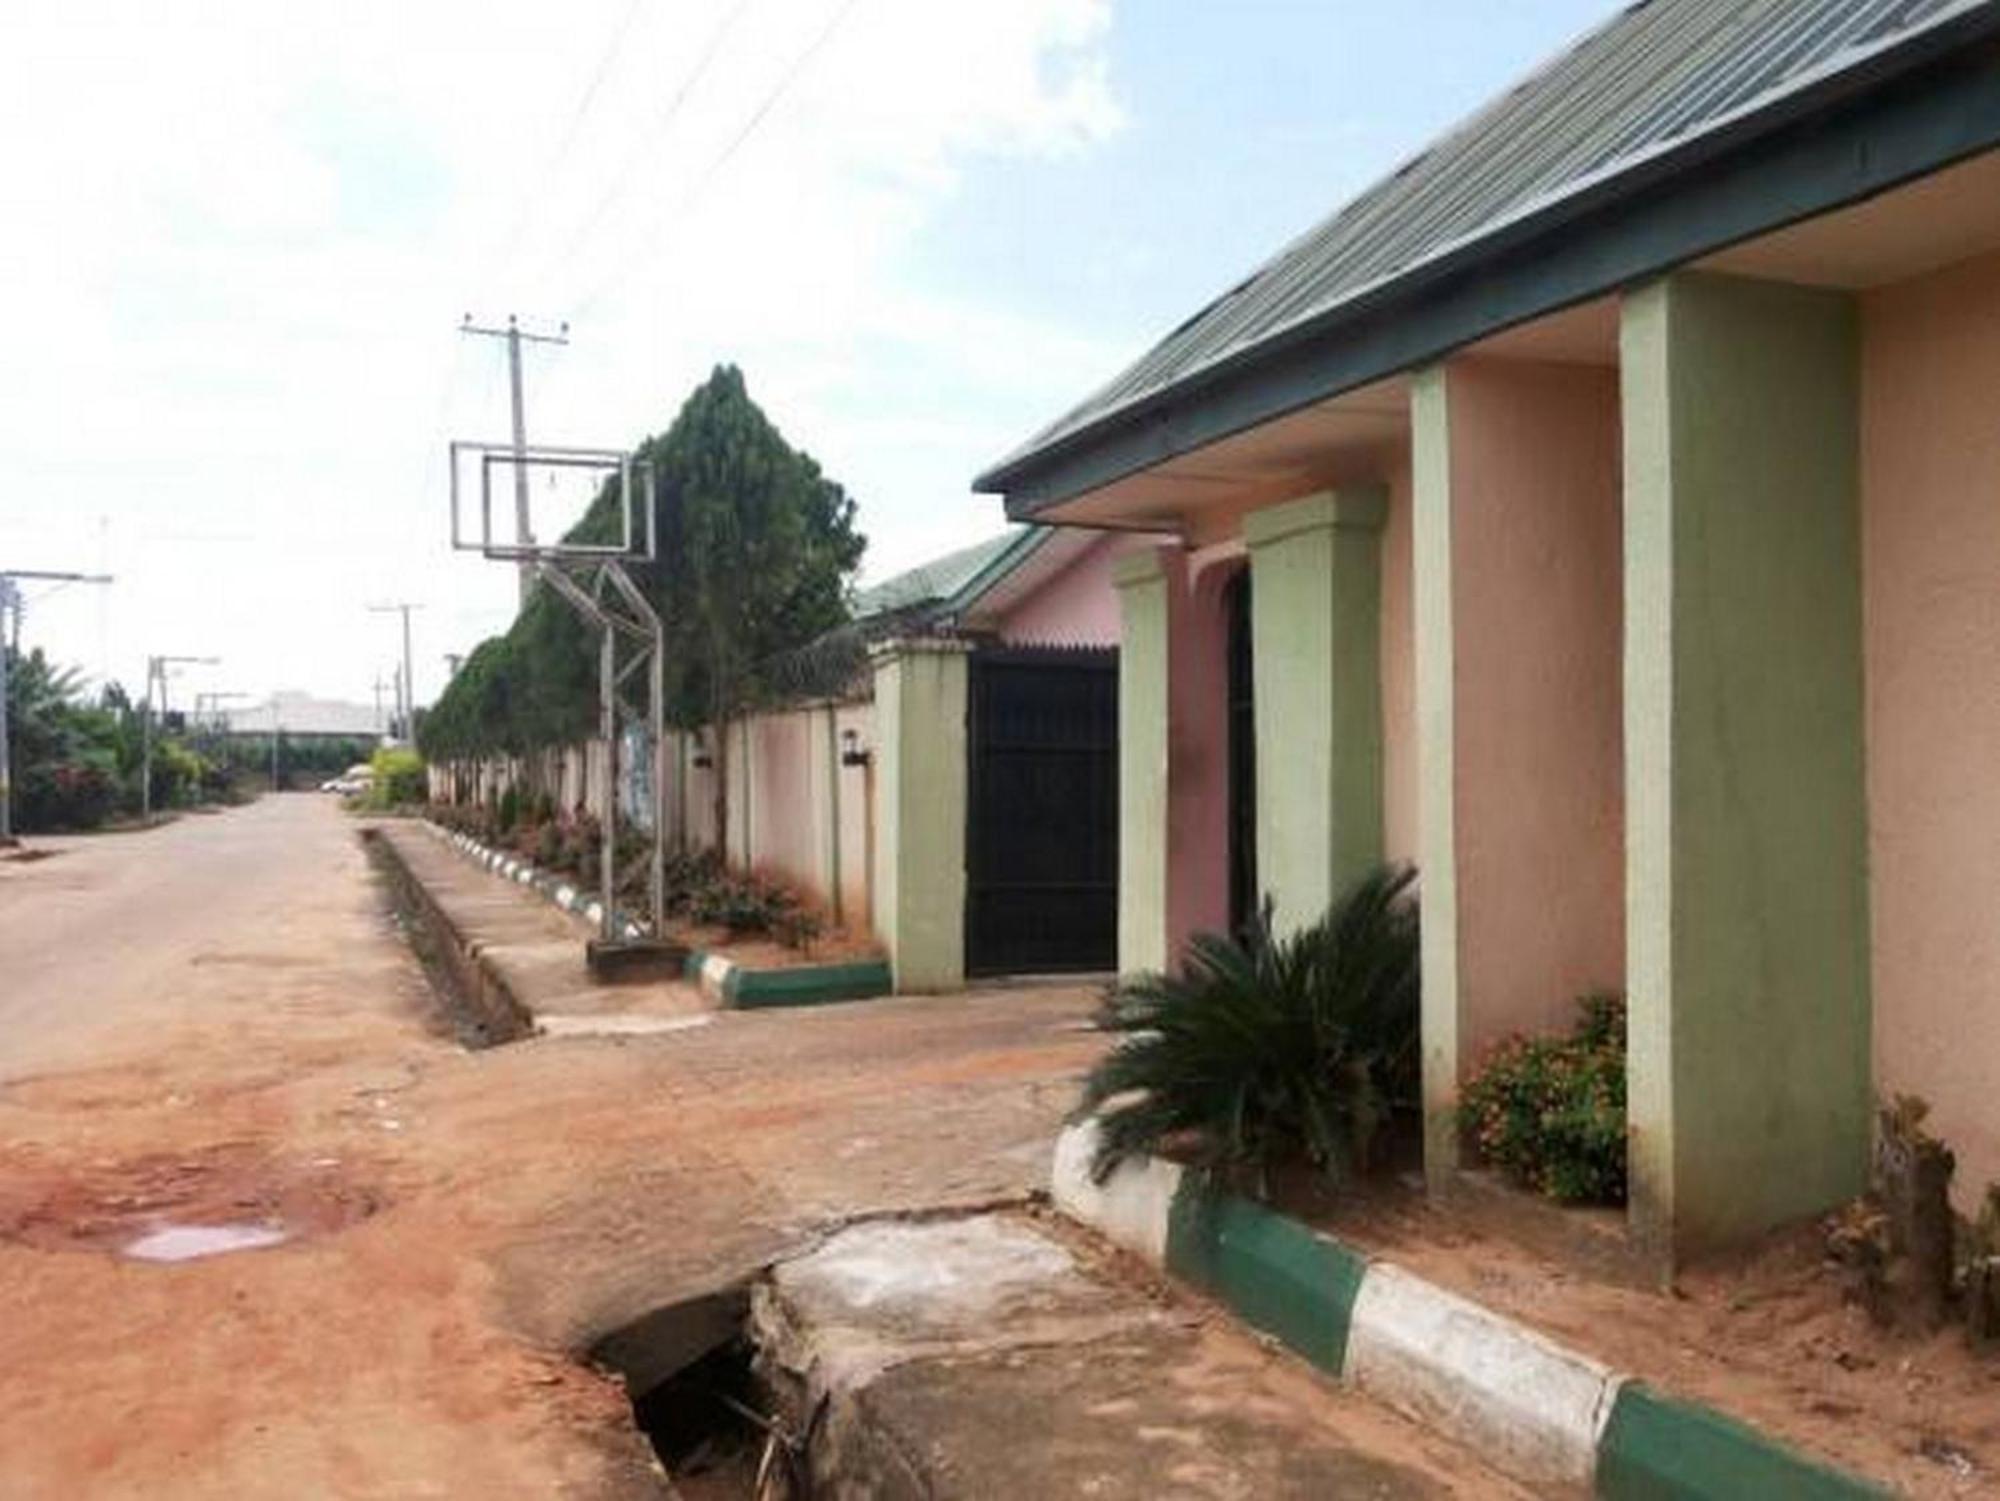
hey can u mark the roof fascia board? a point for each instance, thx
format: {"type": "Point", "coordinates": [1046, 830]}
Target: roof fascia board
{"type": "Point", "coordinates": [1746, 182]}
{"type": "Point", "coordinates": [1017, 552]}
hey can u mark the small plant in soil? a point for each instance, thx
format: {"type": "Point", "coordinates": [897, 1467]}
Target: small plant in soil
{"type": "Point", "coordinates": [1269, 1051]}
{"type": "Point", "coordinates": [1549, 1112]}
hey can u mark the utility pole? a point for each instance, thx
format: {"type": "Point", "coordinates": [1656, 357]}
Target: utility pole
{"type": "Point", "coordinates": [10, 599]}
{"type": "Point", "coordinates": [156, 672]}
{"type": "Point", "coordinates": [513, 333]}
{"type": "Point", "coordinates": [380, 729]}
{"type": "Point", "coordinates": [408, 694]}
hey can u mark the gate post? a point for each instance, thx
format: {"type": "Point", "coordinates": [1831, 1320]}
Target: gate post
{"type": "Point", "coordinates": [920, 751]}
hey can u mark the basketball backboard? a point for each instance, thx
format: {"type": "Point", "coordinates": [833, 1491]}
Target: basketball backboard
{"type": "Point", "coordinates": [518, 505]}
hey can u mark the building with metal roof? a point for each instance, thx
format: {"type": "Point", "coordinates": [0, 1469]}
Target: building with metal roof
{"type": "Point", "coordinates": [1599, 514]}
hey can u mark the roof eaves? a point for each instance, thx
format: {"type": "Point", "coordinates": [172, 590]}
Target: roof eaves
{"type": "Point", "coordinates": [1839, 79]}
{"type": "Point", "coordinates": [1023, 546]}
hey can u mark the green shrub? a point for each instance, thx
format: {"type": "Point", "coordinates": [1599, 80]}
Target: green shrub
{"type": "Point", "coordinates": [509, 811]}
{"type": "Point", "coordinates": [67, 795]}
{"type": "Point", "coordinates": [1549, 1112]}
{"type": "Point", "coordinates": [400, 777]}
{"type": "Point", "coordinates": [1269, 1050]}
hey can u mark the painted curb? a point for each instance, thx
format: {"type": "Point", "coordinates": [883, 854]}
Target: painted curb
{"type": "Point", "coordinates": [1542, 1413]}
{"type": "Point", "coordinates": [556, 889]}
{"type": "Point", "coordinates": [1131, 1207]}
{"type": "Point", "coordinates": [723, 981]}
{"type": "Point", "coordinates": [1273, 1272]}
{"type": "Point", "coordinates": [1657, 1448]}
{"type": "Point", "coordinates": [729, 984]}
{"type": "Point", "coordinates": [1521, 1400]}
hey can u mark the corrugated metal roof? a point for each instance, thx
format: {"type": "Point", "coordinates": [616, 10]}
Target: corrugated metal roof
{"type": "Point", "coordinates": [1656, 76]}
{"type": "Point", "coordinates": [937, 581]}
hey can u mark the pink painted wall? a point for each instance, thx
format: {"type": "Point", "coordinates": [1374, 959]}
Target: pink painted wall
{"type": "Point", "coordinates": [1198, 748]}
{"type": "Point", "coordinates": [1399, 675]}
{"type": "Point", "coordinates": [1536, 572]}
{"type": "Point", "coordinates": [1930, 463]}
{"type": "Point", "coordinates": [787, 779]}
{"type": "Point", "coordinates": [797, 798]}
{"type": "Point", "coordinates": [1079, 606]}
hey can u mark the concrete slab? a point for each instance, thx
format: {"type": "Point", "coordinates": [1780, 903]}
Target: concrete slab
{"type": "Point", "coordinates": [986, 1356]}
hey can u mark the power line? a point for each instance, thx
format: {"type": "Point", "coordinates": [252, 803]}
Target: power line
{"type": "Point", "coordinates": [622, 180]}
{"type": "Point", "coordinates": [612, 47]}
{"type": "Point", "coordinates": [722, 159]}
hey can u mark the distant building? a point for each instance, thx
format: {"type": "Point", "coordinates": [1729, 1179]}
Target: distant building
{"type": "Point", "coordinates": [300, 716]}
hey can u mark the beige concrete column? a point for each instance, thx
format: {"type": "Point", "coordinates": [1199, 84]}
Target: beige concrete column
{"type": "Point", "coordinates": [1746, 885]}
{"type": "Point", "coordinates": [1316, 613]}
{"type": "Point", "coordinates": [920, 751]}
{"type": "Point", "coordinates": [1146, 582]}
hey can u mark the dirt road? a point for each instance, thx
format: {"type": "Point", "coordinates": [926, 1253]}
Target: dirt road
{"type": "Point", "coordinates": [215, 1023]}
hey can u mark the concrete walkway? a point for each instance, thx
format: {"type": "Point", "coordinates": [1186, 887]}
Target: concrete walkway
{"type": "Point", "coordinates": [538, 948]}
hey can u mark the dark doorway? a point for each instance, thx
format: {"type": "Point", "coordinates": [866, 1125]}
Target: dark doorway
{"type": "Point", "coordinates": [1242, 756]}
{"type": "Point", "coordinates": [1042, 811]}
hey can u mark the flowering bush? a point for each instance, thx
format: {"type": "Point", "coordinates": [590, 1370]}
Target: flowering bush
{"type": "Point", "coordinates": [1549, 1112]}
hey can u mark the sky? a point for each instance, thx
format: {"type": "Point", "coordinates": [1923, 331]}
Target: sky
{"type": "Point", "coordinates": [241, 238]}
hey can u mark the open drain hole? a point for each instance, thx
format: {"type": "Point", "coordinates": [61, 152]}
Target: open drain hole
{"type": "Point", "coordinates": [691, 1374]}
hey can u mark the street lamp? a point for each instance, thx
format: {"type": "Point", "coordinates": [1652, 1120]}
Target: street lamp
{"type": "Point", "coordinates": [10, 599]}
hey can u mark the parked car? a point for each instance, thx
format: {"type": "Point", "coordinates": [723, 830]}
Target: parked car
{"type": "Point", "coordinates": [355, 779]}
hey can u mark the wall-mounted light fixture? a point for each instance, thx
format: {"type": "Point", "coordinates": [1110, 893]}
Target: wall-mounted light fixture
{"type": "Point", "coordinates": [852, 752]}
{"type": "Point", "coordinates": [702, 755]}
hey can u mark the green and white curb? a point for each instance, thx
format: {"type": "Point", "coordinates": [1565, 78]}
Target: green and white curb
{"type": "Point", "coordinates": [723, 981]}
{"type": "Point", "coordinates": [728, 983]}
{"type": "Point", "coordinates": [556, 889]}
{"type": "Point", "coordinates": [1542, 1413]}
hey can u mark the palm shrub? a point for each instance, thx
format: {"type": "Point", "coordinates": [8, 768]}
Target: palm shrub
{"type": "Point", "coordinates": [1265, 1050]}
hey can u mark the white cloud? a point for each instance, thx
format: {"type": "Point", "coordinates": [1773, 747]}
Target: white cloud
{"type": "Point", "coordinates": [240, 235]}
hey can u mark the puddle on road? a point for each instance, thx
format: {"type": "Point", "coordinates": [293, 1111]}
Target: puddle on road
{"type": "Point", "coordinates": [179, 1206]}
{"type": "Point", "coordinates": [192, 1242]}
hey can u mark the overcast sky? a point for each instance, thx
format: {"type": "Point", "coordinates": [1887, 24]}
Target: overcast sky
{"type": "Point", "coordinates": [239, 238]}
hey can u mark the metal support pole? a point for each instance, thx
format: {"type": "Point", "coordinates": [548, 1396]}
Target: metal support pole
{"type": "Point", "coordinates": [146, 744]}
{"type": "Point", "coordinates": [656, 690]}
{"type": "Point", "coordinates": [409, 686]}
{"type": "Point", "coordinates": [524, 532]}
{"type": "Point", "coordinates": [607, 692]}
{"type": "Point", "coordinates": [514, 334]}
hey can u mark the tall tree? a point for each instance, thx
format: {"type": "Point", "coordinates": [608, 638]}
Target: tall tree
{"type": "Point", "coordinates": [757, 548]}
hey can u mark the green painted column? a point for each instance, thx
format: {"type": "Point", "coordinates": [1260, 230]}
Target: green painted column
{"type": "Point", "coordinates": [1746, 880]}
{"type": "Point", "coordinates": [1316, 613]}
{"type": "Point", "coordinates": [1144, 581]}
{"type": "Point", "coordinates": [920, 772]}
{"type": "Point", "coordinates": [1437, 761]}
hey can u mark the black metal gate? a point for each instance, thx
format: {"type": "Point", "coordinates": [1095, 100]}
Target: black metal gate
{"type": "Point", "coordinates": [1041, 891]}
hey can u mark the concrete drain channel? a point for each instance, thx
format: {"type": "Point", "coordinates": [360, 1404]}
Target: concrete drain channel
{"type": "Point", "coordinates": [474, 1001]}
{"type": "Point", "coordinates": [700, 1396]}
